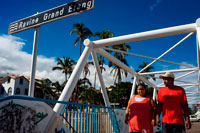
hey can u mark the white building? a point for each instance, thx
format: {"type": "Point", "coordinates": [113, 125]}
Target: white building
{"type": "Point", "coordinates": [13, 85]}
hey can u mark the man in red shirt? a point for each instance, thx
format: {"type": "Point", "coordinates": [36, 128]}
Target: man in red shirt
{"type": "Point", "coordinates": [172, 102]}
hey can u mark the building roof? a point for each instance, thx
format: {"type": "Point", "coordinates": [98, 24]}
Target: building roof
{"type": "Point", "coordinates": [13, 77]}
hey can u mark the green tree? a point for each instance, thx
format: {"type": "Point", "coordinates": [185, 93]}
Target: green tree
{"type": "Point", "coordinates": [148, 69]}
{"type": "Point", "coordinates": [86, 70]}
{"type": "Point", "coordinates": [91, 96]}
{"type": "Point", "coordinates": [194, 109]}
{"type": "Point", "coordinates": [102, 35]}
{"type": "Point", "coordinates": [58, 88]}
{"type": "Point", "coordinates": [44, 89]}
{"type": "Point", "coordinates": [120, 93]}
{"type": "Point", "coordinates": [82, 32]}
{"type": "Point", "coordinates": [65, 65]}
{"type": "Point", "coordinates": [149, 91]}
{"type": "Point", "coordinates": [81, 86]}
{"type": "Point", "coordinates": [116, 69]}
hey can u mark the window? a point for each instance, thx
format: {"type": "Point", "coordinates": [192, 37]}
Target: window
{"type": "Point", "coordinates": [21, 81]}
{"type": "Point", "coordinates": [9, 91]}
{"type": "Point", "coordinates": [8, 79]}
{"type": "Point", "coordinates": [17, 91]}
{"type": "Point", "coordinates": [26, 91]}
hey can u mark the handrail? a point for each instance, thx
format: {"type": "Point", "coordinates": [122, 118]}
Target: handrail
{"type": "Point", "coordinates": [95, 111]}
{"type": "Point", "coordinates": [79, 116]}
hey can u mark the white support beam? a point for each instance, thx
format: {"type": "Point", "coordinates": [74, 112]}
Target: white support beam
{"type": "Point", "coordinates": [178, 70]}
{"type": "Point", "coordinates": [183, 85]}
{"type": "Point", "coordinates": [123, 66]}
{"type": "Point", "coordinates": [198, 48]}
{"type": "Point", "coordinates": [188, 92]}
{"type": "Point", "coordinates": [167, 52]}
{"type": "Point", "coordinates": [181, 81]}
{"type": "Point", "coordinates": [133, 86]}
{"type": "Point", "coordinates": [146, 35]}
{"type": "Point", "coordinates": [69, 87]}
{"type": "Point", "coordinates": [186, 74]}
{"type": "Point", "coordinates": [103, 87]}
{"type": "Point", "coordinates": [155, 93]}
{"type": "Point", "coordinates": [189, 87]}
{"type": "Point", "coordinates": [147, 57]}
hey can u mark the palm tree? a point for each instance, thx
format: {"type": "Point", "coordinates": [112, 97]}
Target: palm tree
{"type": "Point", "coordinates": [149, 91]}
{"type": "Point", "coordinates": [148, 69]}
{"type": "Point", "coordinates": [102, 68]}
{"type": "Point", "coordinates": [82, 32]}
{"type": "Point", "coordinates": [86, 69]}
{"type": "Point", "coordinates": [43, 87]}
{"type": "Point", "coordinates": [65, 65]}
{"type": "Point", "coordinates": [91, 96]}
{"type": "Point", "coordinates": [102, 35]}
{"type": "Point", "coordinates": [58, 88]}
{"type": "Point", "coordinates": [81, 86]}
{"type": "Point", "coordinates": [116, 69]}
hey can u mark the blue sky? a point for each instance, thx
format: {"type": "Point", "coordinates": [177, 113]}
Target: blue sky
{"type": "Point", "coordinates": [121, 17]}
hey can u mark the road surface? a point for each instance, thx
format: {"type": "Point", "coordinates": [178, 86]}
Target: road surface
{"type": "Point", "coordinates": [195, 128]}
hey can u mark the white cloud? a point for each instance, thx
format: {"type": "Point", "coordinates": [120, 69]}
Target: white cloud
{"type": "Point", "coordinates": [15, 61]}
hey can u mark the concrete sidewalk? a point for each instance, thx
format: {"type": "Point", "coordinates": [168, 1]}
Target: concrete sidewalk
{"type": "Point", "coordinates": [195, 128]}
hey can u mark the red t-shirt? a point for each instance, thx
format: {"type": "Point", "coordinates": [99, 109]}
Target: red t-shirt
{"type": "Point", "coordinates": [140, 115]}
{"type": "Point", "coordinates": [172, 100]}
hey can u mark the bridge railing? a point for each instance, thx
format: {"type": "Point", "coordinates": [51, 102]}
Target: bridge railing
{"type": "Point", "coordinates": [84, 118]}
{"type": "Point", "coordinates": [81, 118]}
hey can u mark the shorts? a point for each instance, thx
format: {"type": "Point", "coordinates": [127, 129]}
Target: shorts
{"type": "Point", "coordinates": [173, 128]}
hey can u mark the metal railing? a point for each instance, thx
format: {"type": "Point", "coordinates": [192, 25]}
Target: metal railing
{"type": "Point", "coordinates": [84, 118]}
{"type": "Point", "coordinates": [81, 118]}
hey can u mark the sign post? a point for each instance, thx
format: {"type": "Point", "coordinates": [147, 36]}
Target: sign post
{"type": "Point", "coordinates": [34, 62]}
{"type": "Point", "coordinates": [38, 19]}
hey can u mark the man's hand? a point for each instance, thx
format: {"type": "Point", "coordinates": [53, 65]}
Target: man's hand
{"type": "Point", "coordinates": [153, 122]}
{"type": "Point", "coordinates": [188, 124]}
{"type": "Point", "coordinates": [158, 122]}
{"type": "Point", "coordinates": [126, 120]}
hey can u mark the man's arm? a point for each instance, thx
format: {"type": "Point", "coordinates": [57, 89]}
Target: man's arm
{"type": "Point", "coordinates": [186, 115]}
{"type": "Point", "coordinates": [186, 110]}
{"type": "Point", "coordinates": [159, 109]}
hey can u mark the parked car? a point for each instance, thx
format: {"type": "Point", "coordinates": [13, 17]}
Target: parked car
{"type": "Point", "coordinates": [193, 118]}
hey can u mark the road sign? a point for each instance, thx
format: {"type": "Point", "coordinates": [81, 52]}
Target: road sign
{"type": "Point", "coordinates": [59, 12]}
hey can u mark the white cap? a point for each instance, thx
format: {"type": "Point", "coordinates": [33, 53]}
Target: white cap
{"type": "Point", "coordinates": [167, 75]}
